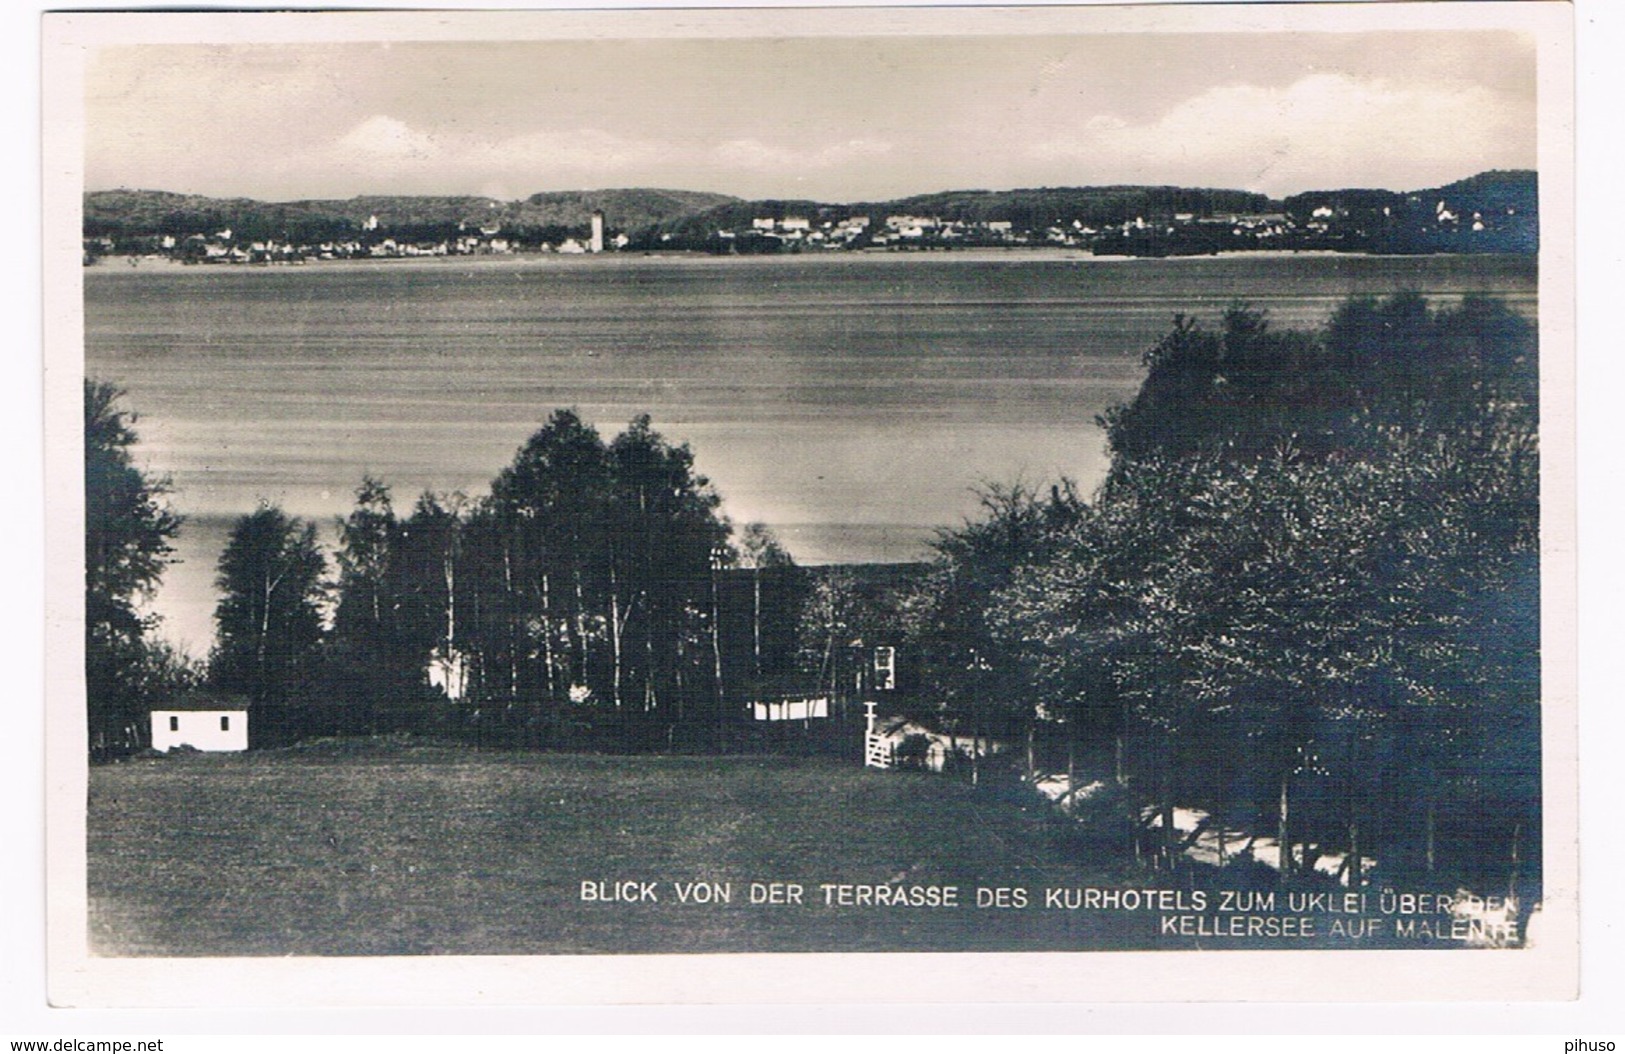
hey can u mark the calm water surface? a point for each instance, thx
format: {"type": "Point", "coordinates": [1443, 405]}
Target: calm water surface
{"type": "Point", "coordinates": [851, 401]}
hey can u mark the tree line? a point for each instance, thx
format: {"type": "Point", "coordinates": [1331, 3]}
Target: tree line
{"type": "Point", "coordinates": [596, 597]}
{"type": "Point", "coordinates": [1305, 600]}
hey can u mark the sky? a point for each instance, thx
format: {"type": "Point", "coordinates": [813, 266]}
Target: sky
{"type": "Point", "coordinates": [850, 118]}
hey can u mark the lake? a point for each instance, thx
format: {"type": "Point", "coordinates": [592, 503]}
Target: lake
{"type": "Point", "coordinates": [851, 401]}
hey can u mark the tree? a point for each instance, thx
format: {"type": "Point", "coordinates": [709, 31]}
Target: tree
{"type": "Point", "coordinates": [1322, 610]}
{"type": "Point", "coordinates": [269, 618]}
{"type": "Point", "coordinates": [760, 551]}
{"type": "Point", "coordinates": [549, 513]}
{"type": "Point", "coordinates": [596, 567]}
{"type": "Point", "coordinates": [366, 544]}
{"type": "Point", "coordinates": [128, 529]}
{"type": "Point", "coordinates": [385, 625]}
{"type": "Point", "coordinates": [966, 665]}
{"type": "Point", "coordinates": [1095, 620]}
{"type": "Point", "coordinates": [667, 543]}
{"type": "Point", "coordinates": [425, 568]}
{"type": "Point", "coordinates": [362, 653]}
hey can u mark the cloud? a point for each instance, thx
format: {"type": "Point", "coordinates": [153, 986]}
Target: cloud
{"type": "Point", "coordinates": [383, 151]}
{"type": "Point", "coordinates": [387, 139]}
{"type": "Point", "coordinates": [602, 156]}
{"type": "Point", "coordinates": [753, 154]}
{"type": "Point", "coordinates": [757, 156]}
{"type": "Point", "coordinates": [855, 150]}
{"type": "Point", "coordinates": [1324, 130]}
{"type": "Point", "coordinates": [589, 149]}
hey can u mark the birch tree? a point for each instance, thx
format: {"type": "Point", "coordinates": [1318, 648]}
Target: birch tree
{"type": "Point", "coordinates": [269, 617]}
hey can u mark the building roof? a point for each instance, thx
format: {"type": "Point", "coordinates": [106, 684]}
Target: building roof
{"type": "Point", "coordinates": [207, 699]}
{"type": "Point", "coordinates": [787, 686]}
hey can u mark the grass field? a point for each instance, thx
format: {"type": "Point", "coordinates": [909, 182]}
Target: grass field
{"type": "Point", "coordinates": [394, 849]}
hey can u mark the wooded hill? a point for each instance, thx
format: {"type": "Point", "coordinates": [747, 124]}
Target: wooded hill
{"type": "Point", "coordinates": [1490, 212]}
{"type": "Point", "coordinates": [681, 213]}
{"type": "Point", "coordinates": [1025, 209]}
{"type": "Point", "coordinates": [1505, 204]}
{"type": "Point", "coordinates": [139, 213]}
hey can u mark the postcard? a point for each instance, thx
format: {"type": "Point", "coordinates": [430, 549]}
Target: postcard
{"type": "Point", "coordinates": [788, 505]}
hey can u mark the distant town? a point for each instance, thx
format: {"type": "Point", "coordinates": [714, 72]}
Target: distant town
{"type": "Point", "coordinates": [1495, 212]}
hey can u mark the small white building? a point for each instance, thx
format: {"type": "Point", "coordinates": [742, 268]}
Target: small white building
{"type": "Point", "coordinates": [787, 699]}
{"type": "Point", "coordinates": [805, 709]}
{"type": "Point", "coordinates": [200, 729]}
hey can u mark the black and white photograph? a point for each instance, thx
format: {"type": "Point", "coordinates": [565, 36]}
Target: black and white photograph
{"type": "Point", "coordinates": [634, 492]}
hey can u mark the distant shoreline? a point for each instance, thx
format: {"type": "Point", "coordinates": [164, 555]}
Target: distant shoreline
{"type": "Point", "coordinates": [122, 263]}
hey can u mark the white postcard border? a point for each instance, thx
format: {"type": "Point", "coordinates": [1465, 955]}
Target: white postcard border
{"type": "Point", "coordinates": [1546, 971]}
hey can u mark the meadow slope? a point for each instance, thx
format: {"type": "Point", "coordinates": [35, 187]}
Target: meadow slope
{"type": "Point", "coordinates": [403, 850]}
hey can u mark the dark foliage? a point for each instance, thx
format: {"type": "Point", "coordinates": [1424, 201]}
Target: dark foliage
{"type": "Point", "coordinates": [268, 623]}
{"type": "Point", "coordinates": [128, 529]}
{"type": "Point", "coordinates": [1306, 597]}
